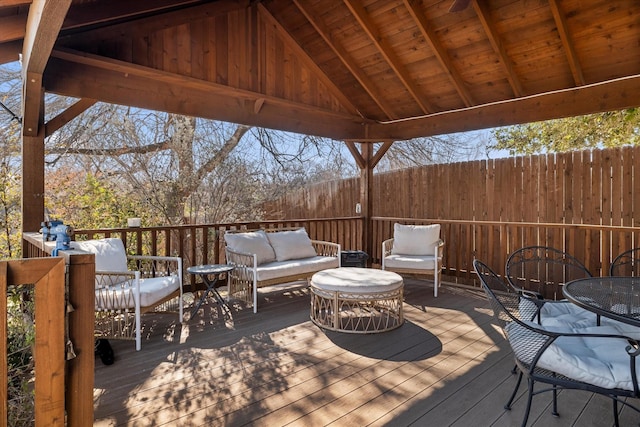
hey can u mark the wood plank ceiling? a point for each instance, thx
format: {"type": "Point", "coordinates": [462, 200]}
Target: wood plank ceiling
{"type": "Point", "coordinates": [357, 70]}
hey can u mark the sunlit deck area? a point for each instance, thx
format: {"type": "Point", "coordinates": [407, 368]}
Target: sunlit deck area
{"type": "Point", "coordinates": [447, 365]}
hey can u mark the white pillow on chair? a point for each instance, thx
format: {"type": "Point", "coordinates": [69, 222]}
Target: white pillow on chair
{"type": "Point", "coordinates": [109, 252]}
{"type": "Point", "coordinates": [415, 239]}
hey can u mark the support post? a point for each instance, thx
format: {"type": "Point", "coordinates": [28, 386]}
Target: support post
{"type": "Point", "coordinates": [33, 169]}
{"type": "Point", "coordinates": [366, 180]}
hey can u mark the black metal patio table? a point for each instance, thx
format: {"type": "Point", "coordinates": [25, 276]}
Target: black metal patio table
{"type": "Point", "coordinates": [210, 274]}
{"type": "Point", "coordinates": [617, 298]}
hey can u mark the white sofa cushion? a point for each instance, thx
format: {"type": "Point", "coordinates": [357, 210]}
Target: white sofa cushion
{"type": "Point", "coordinates": [109, 252]}
{"type": "Point", "coordinates": [152, 290]}
{"type": "Point", "coordinates": [294, 244]}
{"type": "Point", "coordinates": [415, 239]}
{"type": "Point", "coordinates": [277, 269]}
{"type": "Point", "coordinates": [251, 242]}
{"type": "Point", "coordinates": [414, 262]}
{"type": "Point", "coordinates": [600, 361]}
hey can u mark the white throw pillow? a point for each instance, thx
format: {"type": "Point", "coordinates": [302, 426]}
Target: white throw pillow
{"type": "Point", "coordinates": [415, 239]}
{"type": "Point", "coordinates": [109, 252]}
{"type": "Point", "coordinates": [251, 242]}
{"type": "Point", "coordinates": [291, 244]}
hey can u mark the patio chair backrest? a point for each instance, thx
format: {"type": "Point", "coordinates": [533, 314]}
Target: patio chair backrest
{"type": "Point", "coordinates": [542, 271]}
{"type": "Point", "coordinates": [504, 301]}
{"type": "Point", "coordinates": [626, 264]}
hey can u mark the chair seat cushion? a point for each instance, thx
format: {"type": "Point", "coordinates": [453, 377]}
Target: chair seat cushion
{"type": "Point", "coordinates": [414, 262]}
{"type": "Point", "coordinates": [276, 269]}
{"type": "Point", "coordinates": [602, 362]}
{"type": "Point", "coordinates": [152, 290]}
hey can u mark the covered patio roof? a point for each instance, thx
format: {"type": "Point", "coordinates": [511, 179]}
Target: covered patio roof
{"type": "Point", "coordinates": [358, 71]}
{"type": "Point", "coordinates": [352, 70]}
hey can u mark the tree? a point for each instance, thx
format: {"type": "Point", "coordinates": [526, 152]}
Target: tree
{"type": "Point", "coordinates": [611, 129]}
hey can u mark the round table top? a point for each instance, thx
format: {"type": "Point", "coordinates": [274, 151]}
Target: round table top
{"type": "Point", "coordinates": [210, 269]}
{"type": "Point", "coordinates": [356, 279]}
{"type": "Point", "coordinates": [614, 297]}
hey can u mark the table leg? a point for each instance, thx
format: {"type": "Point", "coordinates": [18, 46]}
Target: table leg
{"type": "Point", "coordinates": [211, 287]}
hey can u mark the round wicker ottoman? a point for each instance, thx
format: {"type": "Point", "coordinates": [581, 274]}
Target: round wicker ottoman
{"type": "Point", "coordinates": [356, 300]}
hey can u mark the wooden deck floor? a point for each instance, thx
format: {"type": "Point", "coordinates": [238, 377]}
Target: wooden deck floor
{"type": "Point", "coordinates": [446, 366]}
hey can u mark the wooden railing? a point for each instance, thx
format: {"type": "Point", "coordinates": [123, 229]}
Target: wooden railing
{"type": "Point", "coordinates": [76, 320]}
{"type": "Point", "coordinates": [57, 381]}
{"type": "Point", "coordinates": [489, 241]}
{"type": "Point", "coordinates": [465, 241]}
{"type": "Point", "coordinates": [204, 244]}
{"type": "Point", "coordinates": [492, 242]}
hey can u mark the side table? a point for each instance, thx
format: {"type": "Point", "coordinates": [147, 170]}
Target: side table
{"type": "Point", "coordinates": [210, 274]}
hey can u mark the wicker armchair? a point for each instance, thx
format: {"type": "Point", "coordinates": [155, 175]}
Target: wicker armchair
{"type": "Point", "coordinates": [127, 286]}
{"type": "Point", "coordinates": [540, 271]}
{"type": "Point", "coordinates": [415, 249]}
{"type": "Point", "coordinates": [594, 359]}
{"type": "Point", "coordinates": [626, 264]}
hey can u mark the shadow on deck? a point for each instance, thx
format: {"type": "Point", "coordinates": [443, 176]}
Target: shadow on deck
{"type": "Point", "coordinates": [448, 365]}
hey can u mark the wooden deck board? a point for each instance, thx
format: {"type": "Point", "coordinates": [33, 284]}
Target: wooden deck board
{"type": "Point", "coordinates": [447, 365]}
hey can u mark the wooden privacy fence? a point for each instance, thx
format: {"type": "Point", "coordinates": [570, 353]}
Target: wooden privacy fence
{"type": "Point", "coordinates": [493, 241]}
{"type": "Point", "coordinates": [583, 187]}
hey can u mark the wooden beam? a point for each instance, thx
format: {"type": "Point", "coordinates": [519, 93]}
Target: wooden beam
{"type": "Point", "coordinates": [484, 14]}
{"type": "Point", "coordinates": [366, 199]}
{"type": "Point", "coordinates": [10, 51]}
{"type": "Point", "coordinates": [380, 153]}
{"type": "Point", "coordinates": [356, 154]}
{"type": "Point", "coordinates": [43, 26]}
{"type": "Point", "coordinates": [128, 84]}
{"type": "Point", "coordinates": [386, 51]}
{"type": "Point", "coordinates": [440, 53]}
{"type": "Point", "coordinates": [589, 99]}
{"type": "Point", "coordinates": [67, 115]}
{"type": "Point", "coordinates": [567, 43]}
{"type": "Point", "coordinates": [13, 27]}
{"type": "Point", "coordinates": [304, 56]}
{"type": "Point", "coordinates": [8, 3]}
{"type": "Point", "coordinates": [364, 80]}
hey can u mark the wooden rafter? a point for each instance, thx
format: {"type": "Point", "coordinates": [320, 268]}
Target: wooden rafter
{"type": "Point", "coordinates": [344, 57]}
{"type": "Point", "coordinates": [569, 48]}
{"type": "Point", "coordinates": [440, 53]}
{"type": "Point", "coordinates": [69, 72]}
{"type": "Point", "coordinates": [489, 28]}
{"type": "Point", "coordinates": [335, 91]}
{"type": "Point", "coordinates": [386, 51]}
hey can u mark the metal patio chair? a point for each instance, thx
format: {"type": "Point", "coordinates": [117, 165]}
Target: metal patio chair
{"type": "Point", "coordinates": [594, 359]}
{"type": "Point", "coordinates": [541, 271]}
{"type": "Point", "coordinates": [626, 264]}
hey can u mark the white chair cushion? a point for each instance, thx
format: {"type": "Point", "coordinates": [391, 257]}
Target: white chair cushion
{"type": "Point", "coordinates": [415, 239]}
{"type": "Point", "coordinates": [293, 244]}
{"type": "Point", "coordinates": [109, 252]}
{"type": "Point", "coordinates": [152, 290]}
{"type": "Point", "coordinates": [599, 361]}
{"type": "Point", "coordinates": [274, 270]}
{"type": "Point", "coordinates": [251, 242]}
{"type": "Point", "coordinates": [414, 262]}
